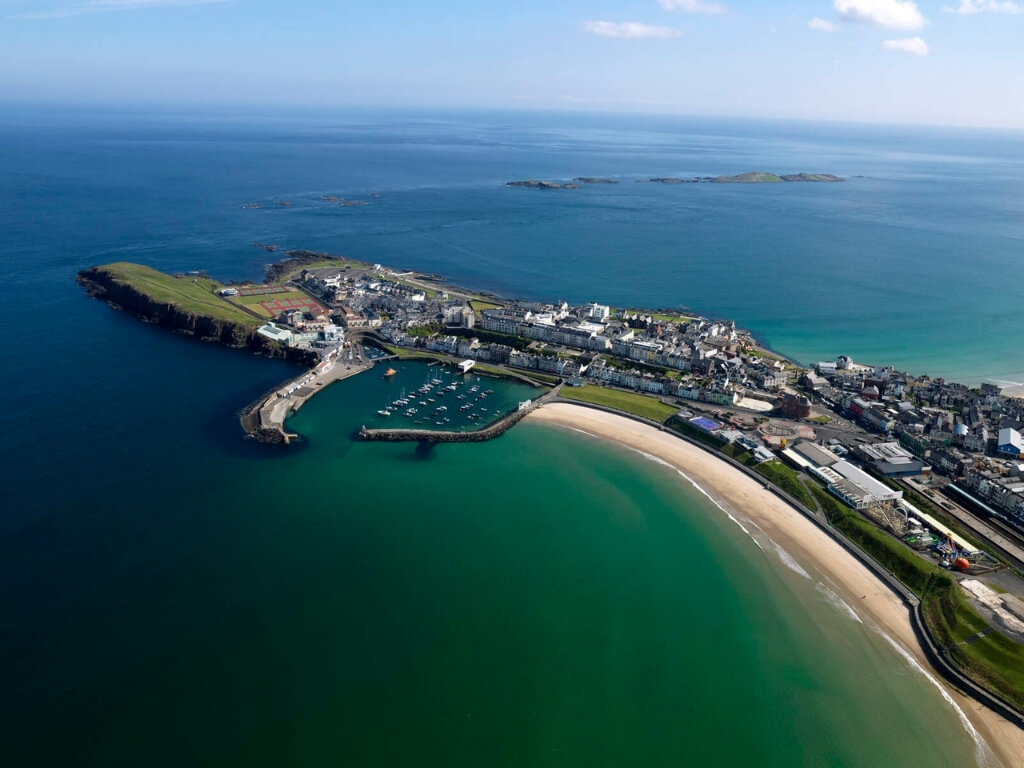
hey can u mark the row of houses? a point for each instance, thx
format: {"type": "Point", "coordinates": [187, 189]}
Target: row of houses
{"type": "Point", "coordinates": [1001, 488]}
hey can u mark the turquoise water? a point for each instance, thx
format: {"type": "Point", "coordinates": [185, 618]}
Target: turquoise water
{"type": "Point", "coordinates": [171, 594]}
{"type": "Point", "coordinates": [543, 599]}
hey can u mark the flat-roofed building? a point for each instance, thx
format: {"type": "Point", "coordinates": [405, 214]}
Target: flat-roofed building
{"type": "Point", "coordinates": [871, 490]}
{"type": "Point", "coordinates": [817, 455]}
{"type": "Point", "coordinates": [892, 460]}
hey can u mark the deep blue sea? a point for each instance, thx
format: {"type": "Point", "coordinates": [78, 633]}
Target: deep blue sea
{"type": "Point", "coordinates": [172, 594]}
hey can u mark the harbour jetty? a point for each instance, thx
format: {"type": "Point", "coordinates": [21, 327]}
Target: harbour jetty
{"type": "Point", "coordinates": [264, 419]}
{"type": "Point", "coordinates": [497, 429]}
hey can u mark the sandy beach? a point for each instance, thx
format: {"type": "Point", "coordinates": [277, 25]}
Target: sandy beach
{"type": "Point", "coordinates": [813, 549]}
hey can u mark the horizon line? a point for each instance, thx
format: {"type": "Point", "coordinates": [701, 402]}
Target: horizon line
{"type": "Point", "coordinates": [280, 107]}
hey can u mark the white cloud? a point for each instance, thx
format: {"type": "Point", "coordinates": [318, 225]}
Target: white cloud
{"type": "Point", "coordinates": [820, 25]}
{"type": "Point", "coordinates": [892, 14]}
{"type": "Point", "coordinates": [914, 45]}
{"type": "Point", "coordinates": [970, 7]}
{"type": "Point", "coordinates": [100, 6]}
{"type": "Point", "coordinates": [630, 29]}
{"type": "Point", "coordinates": [693, 6]}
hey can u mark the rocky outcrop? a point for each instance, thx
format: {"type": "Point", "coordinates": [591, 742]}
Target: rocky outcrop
{"type": "Point", "coordinates": [100, 284]}
{"type": "Point", "coordinates": [540, 184]}
{"type": "Point", "coordinates": [295, 260]}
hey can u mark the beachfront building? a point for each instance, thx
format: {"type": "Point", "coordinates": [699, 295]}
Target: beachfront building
{"type": "Point", "coordinates": [1009, 443]}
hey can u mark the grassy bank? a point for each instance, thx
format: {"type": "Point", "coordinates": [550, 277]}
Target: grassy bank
{"type": "Point", "coordinates": [197, 295]}
{"type": "Point", "coordinates": [639, 405]}
{"type": "Point", "coordinates": [787, 479]}
{"type": "Point", "coordinates": [478, 306]}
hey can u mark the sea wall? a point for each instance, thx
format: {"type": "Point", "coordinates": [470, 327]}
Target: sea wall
{"type": "Point", "coordinates": [497, 429]}
{"type": "Point", "coordinates": [102, 285]}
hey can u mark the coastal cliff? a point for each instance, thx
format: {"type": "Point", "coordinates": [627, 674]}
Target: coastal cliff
{"type": "Point", "coordinates": [110, 284]}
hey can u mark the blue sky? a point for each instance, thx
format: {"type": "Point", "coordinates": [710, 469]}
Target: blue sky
{"type": "Point", "coordinates": [958, 62]}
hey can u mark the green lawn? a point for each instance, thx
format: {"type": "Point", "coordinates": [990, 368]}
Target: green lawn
{"type": "Point", "coordinates": [787, 479]}
{"type": "Point", "coordinates": [479, 306]}
{"type": "Point", "coordinates": [543, 377]}
{"type": "Point", "coordinates": [191, 294]}
{"type": "Point", "coordinates": [414, 354]}
{"type": "Point", "coordinates": [263, 297]}
{"type": "Point", "coordinates": [644, 406]}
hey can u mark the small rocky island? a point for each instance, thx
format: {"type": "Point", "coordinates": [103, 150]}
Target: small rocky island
{"type": "Point", "coordinates": [538, 184]}
{"type": "Point", "coordinates": [751, 177]}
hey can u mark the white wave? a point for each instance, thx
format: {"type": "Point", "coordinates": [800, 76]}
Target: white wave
{"type": "Point", "coordinates": [838, 602]}
{"type": "Point", "coordinates": [982, 752]}
{"type": "Point", "coordinates": [708, 496]}
{"type": "Point", "coordinates": [789, 562]}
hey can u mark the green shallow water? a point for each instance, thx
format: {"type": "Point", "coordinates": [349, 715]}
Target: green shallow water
{"type": "Point", "coordinates": [540, 600]}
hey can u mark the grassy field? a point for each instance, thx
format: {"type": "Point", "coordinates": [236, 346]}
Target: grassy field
{"type": "Point", "coordinates": [414, 354]}
{"type": "Point", "coordinates": [543, 377]}
{"type": "Point", "coordinates": [786, 479]}
{"type": "Point", "coordinates": [640, 405]}
{"type": "Point", "coordinates": [191, 294]}
{"type": "Point", "coordinates": [260, 299]}
{"type": "Point", "coordinates": [479, 306]}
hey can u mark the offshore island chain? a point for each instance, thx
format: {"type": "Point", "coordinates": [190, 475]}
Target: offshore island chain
{"type": "Point", "coordinates": [751, 177]}
{"type": "Point", "coordinates": [700, 379]}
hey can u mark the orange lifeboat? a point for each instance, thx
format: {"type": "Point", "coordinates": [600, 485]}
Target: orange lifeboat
{"type": "Point", "coordinates": [962, 564]}
{"type": "Point", "coordinates": [389, 373]}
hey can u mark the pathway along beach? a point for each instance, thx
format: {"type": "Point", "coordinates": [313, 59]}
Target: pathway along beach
{"type": "Point", "coordinates": [751, 504]}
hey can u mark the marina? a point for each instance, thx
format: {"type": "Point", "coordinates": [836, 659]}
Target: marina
{"type": "Point", "coordinates": [439, 397]}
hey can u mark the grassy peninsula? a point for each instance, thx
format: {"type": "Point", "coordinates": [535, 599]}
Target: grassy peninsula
{"type": "Point", "coordinates": [189, 304]}
{"type": "Point", "coordinates": [192, 293]}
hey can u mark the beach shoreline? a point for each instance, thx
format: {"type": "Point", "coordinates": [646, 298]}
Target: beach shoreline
{"type": "Point", "coordinates": [748, 501]}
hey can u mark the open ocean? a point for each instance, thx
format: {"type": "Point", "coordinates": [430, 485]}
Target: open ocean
{"type": "Point", "coordinates": [171, 594]}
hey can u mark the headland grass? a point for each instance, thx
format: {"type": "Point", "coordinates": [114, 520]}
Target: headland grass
{"type": "Point", "coordinates": [190, 293]}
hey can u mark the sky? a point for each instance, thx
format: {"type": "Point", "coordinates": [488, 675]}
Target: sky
{"type": "Point", "coordinates": [945, 62]}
